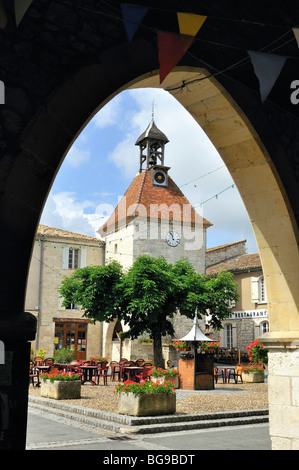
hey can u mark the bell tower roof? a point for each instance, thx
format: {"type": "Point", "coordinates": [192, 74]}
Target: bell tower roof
{"type": "Point", "coordinates": [152, 132]}
{"type": "Point", "coordinates": [151, 143]}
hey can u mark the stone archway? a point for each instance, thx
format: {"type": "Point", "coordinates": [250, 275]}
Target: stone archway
{"type": "Point", "coordinates": [60, 66]}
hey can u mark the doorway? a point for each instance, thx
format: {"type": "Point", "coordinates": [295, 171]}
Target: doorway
{"type": "Point", "coordinates": [71, 334]}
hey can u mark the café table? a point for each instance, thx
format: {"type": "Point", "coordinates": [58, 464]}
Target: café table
{"type": "Point", "coordinates": [42, 369]}
{"type": "Point", "coordinates": [88, 372]}
{"type": "Point", "coordinates": [225, 369]}
{"type": "Point", "coordinates": [131, 371]}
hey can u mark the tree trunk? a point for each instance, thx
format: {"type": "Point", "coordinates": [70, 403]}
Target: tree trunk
{"type": "Point", "coordinates": [158, 357]}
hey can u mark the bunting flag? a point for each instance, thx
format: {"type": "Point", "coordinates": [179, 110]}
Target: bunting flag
{"type": "Point", "coordinates": [189, 23]}
{"type": "Point", "coordinates": [172, 48]}
{"type": "Point", "coordinates": [3, 15]}
{"type": "Point", "coordinates": [296, 34]}
{"type": "Point", "coordinates": [21, 6]}
{"type": "Point", "coordinates": [267, 68]}
{"type": "Point", "coordinates": [133, 16]}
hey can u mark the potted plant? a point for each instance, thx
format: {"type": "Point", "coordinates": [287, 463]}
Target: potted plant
{"type": "Point", "coordinates": [145, 341]}
{"type": "Point", "coordinates": [253, 373]}
{"type": "Point", "coordinates": [180, 345]}
{"type": "Point", "coordinates": [41, 353]}
{"type": "Point", "coordinates": [257, 353]}
{"type": "Point", "coordinates": [209, 345]}
{"type": "Point", "coordinates": [60, 385]}
{"type": "Point", "coordinates": [63, 356]}
{"type": "Point", "coordinates": [158, 374]}
{"type": "Point", "coordinates": [146, 398]}
{"type": "Point", "coordinates": [98, 359]}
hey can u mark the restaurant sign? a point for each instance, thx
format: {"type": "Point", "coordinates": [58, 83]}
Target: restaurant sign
{"type": "Point", "coordinates": [263, 313]}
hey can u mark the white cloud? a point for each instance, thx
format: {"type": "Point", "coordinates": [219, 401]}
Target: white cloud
{"type": "Point", "coordinates": [62, 210]}
{"type": "Point", "coordinates": [77, 157]}
{"type": "Point", "coordinates": [108, 115]}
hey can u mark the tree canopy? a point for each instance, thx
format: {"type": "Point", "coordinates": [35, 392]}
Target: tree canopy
{"type": "Point", "coordinates": [148, 295]}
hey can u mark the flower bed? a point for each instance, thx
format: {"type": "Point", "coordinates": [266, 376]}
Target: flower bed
{"type": "Point", "coordinates": [180, 345]}
{"type": "Point", "coordinates": [98, 359]}
{"type": "Point", "coordinates": [60, 385]}
{"type": "Point", "coordinates": [145, 341]}
{"type": "Point", "coordinates": [59, 376]}
{"type": "Point", "coordinates": [165, 375]}
{"type": "Point", "coordinates": [209, 345]}
{"type": "Point", "coordinates": [253, 373]}
{"type": "Point", "coordinates": [146, 398]}
{"type": "Point", "coordinates": [145, 386]}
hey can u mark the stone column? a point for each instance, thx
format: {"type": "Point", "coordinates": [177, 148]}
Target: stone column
{"type": "Point", "coordinates": [283, 386]}
{"type": "Point", "coordinates": [16, 330]}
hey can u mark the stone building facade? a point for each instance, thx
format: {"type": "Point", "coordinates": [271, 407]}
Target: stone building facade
{"type": "Point", "coordinates": [249, 314]}
{"type": "Point", "coordinates": [57, 253]}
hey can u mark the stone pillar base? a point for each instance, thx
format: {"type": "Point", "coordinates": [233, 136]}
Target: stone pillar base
{"type": "Point", "coordinates": [283, 386]}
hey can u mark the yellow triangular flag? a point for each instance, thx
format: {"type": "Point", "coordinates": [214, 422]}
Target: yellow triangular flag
{"type": "Point", "coordinates": [189, 23]}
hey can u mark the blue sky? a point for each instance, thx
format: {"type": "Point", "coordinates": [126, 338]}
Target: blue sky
{"type": "Point", "coordinates": [103, 161]}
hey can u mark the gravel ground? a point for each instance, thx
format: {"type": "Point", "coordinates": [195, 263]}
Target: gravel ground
{"type": "Point", "coordinates": [225, 397]}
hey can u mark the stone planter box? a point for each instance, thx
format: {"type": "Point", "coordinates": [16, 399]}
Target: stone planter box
{"type": "Point", "coordinates": [146, 404]}
{"type": "Point", "coordinates": [254, 377]}
{"type": "Point", "coordinates": [168, 378]}
{"type": "Point", "coordinates": [61, 389]}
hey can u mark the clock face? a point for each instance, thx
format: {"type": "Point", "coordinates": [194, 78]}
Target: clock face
{"type": "Point", "coordinates": [172, 238]}
{"type": "Point", "coordinates": [159, 177]}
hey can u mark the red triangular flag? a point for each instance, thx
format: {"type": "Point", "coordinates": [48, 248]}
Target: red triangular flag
{"type": "Point", "coordinates": [172, 47]}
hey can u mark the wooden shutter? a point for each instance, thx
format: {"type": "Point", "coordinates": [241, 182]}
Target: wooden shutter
{"type": "Point", "coordinates": [65, 257]}
{"type": "Point", "coordinates": [255, 289]}
{"type": "Point", "coordinates": [83, 258]}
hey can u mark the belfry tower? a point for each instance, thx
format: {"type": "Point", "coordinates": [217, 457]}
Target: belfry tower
{"type": "Point", "coordinates": [154, 217]}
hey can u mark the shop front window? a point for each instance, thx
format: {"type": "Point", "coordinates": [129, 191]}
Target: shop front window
{"type": "Point", "coordinates": [73, 336]}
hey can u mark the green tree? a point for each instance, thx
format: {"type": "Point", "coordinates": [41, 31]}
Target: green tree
{"type": "Point", "coordinates": [148, 295]}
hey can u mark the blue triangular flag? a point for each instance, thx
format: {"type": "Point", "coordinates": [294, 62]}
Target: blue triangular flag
{"type": "Point", "coordinates": [267, 68]}
{"type": "Point", "coordinates": [133, 16]}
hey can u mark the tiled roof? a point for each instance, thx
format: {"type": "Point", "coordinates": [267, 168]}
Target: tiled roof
{"type": "Point", "coordinates": [220, 247]}
{"type": "Point", "coordinates": [161, 203]}
{"type": "Point", "coordinates": [240, 263]}
{"type": "Point", "coordinates": [45, 231]}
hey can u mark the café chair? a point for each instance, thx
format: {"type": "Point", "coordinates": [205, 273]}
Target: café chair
{"type": "Point", "coordinates": [101, 372]}
{"type": "Point", "coordinates": [33, 375]}
{"type": "Point", "coordinates": [48, 361]}
{"type": "Point", "coordinates": [236, 373]}
{"type": "Point", "coordinates": [38, 361]}
{"type": "Point", "coordinates": [145, 373]}
{"type": "Point", "coordinates": [218, 373]}
{"type": "Point", "coordinates": [115, 370]}
{"type": "Point", "coordinates": [140, 362]}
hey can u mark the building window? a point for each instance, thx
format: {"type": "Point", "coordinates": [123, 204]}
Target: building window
{"type": "Point", "coordinates": [73, 258]}
{"type": "Point", "coordinates": [72, 306]}
{"type": "Point", "coordinates": [264, 326]}
{"type": "Point", "coordinates": [229, 335]}
{"type": "Point", "coordinates": [262, 290]}
{"type": "Point", "coordinates": [258, 290]}
{"type": "Point", "coordinates": [73, 262]}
